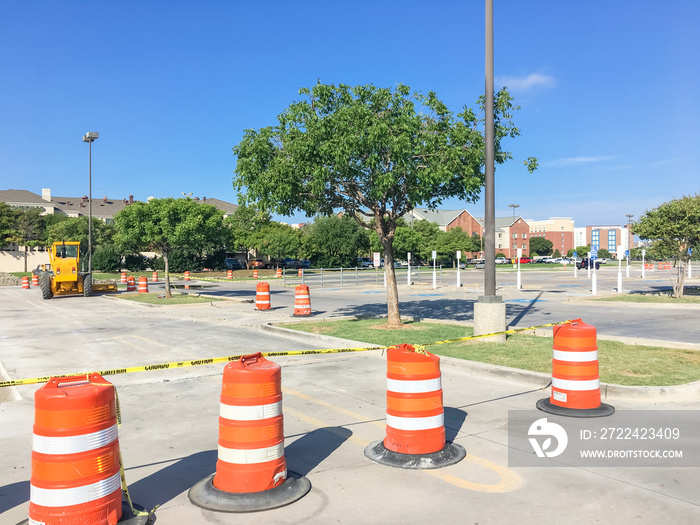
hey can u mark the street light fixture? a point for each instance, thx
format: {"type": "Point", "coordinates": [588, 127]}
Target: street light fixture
{"type": "Point", "coordinates": [90, 137]}
{"type": "Point", "coordinates": [514, 206]}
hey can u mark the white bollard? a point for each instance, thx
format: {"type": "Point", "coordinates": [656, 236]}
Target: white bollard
{"type": "Point", "coordinates": [593, 285]}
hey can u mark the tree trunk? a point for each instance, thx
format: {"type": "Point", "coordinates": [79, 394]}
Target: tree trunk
{"type": "Point", "coordinates": [392, 292]}
{"type": "Point", "coordinates": [168, 293]}
{"type": "Point", "coordinates": [680, 280]}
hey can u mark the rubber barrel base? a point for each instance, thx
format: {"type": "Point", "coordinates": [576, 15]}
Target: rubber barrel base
{"type": "Point", "coordinates": [205, 495]}
{"type": "Point", "coordinates": [545, 405]}
{"type": "Point", "coordinates": [451, 454]}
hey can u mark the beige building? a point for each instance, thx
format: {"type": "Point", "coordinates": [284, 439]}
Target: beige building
{"type": "Point", "coordinates": [558, 230]}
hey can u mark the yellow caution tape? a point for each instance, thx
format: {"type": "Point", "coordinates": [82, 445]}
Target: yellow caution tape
{"type": "Point", "coordinates": [228, 358]}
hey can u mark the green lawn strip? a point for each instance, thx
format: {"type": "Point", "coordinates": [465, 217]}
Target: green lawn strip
{"type": "Point", "coordinates": [620, 364]}
{"type": "Point", "coordinates": [691, 295]}
{"type": "Point", "coordinates": [154, 298]}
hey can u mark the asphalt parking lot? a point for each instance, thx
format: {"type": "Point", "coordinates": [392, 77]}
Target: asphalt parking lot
{"type": "Point", "coordinates": [334, 406]}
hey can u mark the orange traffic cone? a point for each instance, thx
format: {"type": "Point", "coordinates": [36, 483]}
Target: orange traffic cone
{"type": "Point", "coordinates": [415, 426]}
{"type": "Point", "coordinates": [575, 378]}
{"type": "Point", "coordinates": [302, 300]}
{"type": "Point", "coordinates": [75, 456]}
{"type": "Point", "coordinates": [262, 296]}
{"type": "Point", "coordinates": [251, 471]}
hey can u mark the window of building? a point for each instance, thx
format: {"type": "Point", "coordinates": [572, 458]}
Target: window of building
{"type": "Point", "coordinates": [515, 236]}
{"type": "Point", "coordinates": [515, 246]}
{"type": "Point", "coordinates": [524, 246]}
{"type": "Point", "coordinates": [524, 235]}
{"type": "Point", "coordinates": [612, 240]}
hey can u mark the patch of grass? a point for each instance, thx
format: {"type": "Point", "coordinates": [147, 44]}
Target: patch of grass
{"type": "Point", "coordinates": [690, 296]}
{"type": "Point", "coordinates": [619, 363]}
{"type": "Point", "coordinates": [154, 298]}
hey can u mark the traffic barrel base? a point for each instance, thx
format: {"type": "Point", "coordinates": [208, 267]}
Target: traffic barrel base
{"type": "Point", "coordinates": [575, 376]}
{"type": "Point", "coordinates": [128, 516]}
{"type": "Point", "coordinates": [452, 453]}
{"type": "Point", "coordinates": [545, 405]}
{"type": "Point", "coordinates": [205, 495]}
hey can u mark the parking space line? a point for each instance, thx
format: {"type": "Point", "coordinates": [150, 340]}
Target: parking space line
{"type": "Point", "coordinates": [509, 479]}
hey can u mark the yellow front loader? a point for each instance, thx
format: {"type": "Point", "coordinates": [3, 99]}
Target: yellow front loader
{"type": "Point", "coordinates": [65, 277]}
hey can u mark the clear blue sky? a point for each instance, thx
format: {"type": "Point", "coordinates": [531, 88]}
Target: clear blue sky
{"type": "Point", "coordinates": [609, 91]}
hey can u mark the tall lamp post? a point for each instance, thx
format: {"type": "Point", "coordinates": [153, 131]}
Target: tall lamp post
{"type": "Point", "coordinates": [489, 310]}
{"type": "Point", "coordinates": [514, 206]}
{"type": "Point", "coordinates": [90, 137]}
{"type": "Point", "coordinates": [629, 241]}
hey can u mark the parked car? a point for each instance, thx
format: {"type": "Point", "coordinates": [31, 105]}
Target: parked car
{"type": "Point", "coordinates": [365, 262]}
{"type": "Point", "coordinates": [502, 260]}
{"type": "Point", "coordinates": [257, 264]}
{"type": "Point", "coordinates": [304, 263]}
{"type": "Point", "coordinates": [232, 263]}
{"type": "Point", "coordinates": [585, 262]}
{"type": "Point", "coordinates": [525, 260]}
{"type": "Point", "coordinates": [479, 263]}
{"type": "Point", "coordinates": [288, 262]}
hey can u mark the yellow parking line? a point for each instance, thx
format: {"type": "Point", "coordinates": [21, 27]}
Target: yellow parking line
{"type": "Point", "coordinates": [509, 479]}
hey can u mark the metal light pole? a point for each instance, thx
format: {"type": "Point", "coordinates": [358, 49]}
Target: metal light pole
{"type": "Point", "coordinates": [90, 137]}
{"type": "Point", "coordinates": [629, 240]}
{"type": "Point", "coordinates": [514, 206]}
{"type": "Point", "coordinates": [490, 310]}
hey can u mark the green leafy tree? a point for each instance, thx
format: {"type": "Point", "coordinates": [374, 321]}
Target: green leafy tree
{"type": "Point", "coordinates": [429, 234]}
{"type": "Point", "coordinates": [673, 228]}
{"type": "Point", "coordinates": [278, 241]}
{"type": "Point", "coordinates": [581, 251]}
{"type": "Point", "coordinates": [163, 225]}
{"type": "Point", "coordinates": [556, 254]}
{"type": "Point", "coordinates": [246, 225]}
{"type": "Point", "coordinates": [453, 240]}
{"type": "Point", "coordinates": [8, 218]}
{"type": "Point", "coordinates": [373, 153]}
{"type": "Point", "coordinates": [336, 241]}
{"type": "Point", "coordinates": [76, 229]}
{"type": "Point", "coordinates": [540, 246]}
{"type": "Point", "coordinates": [28, 228]}
{"type": "Point", "coordinates": [603, 254]}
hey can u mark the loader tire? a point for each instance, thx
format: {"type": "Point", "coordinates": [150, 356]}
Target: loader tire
{"type": "Point", "coordinates": [87, 285]}
{"type": "Point", "coordinates": [45, 285]}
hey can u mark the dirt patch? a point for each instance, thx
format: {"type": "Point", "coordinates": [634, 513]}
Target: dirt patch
{"type": "Point", "coordinates": [7, 279]}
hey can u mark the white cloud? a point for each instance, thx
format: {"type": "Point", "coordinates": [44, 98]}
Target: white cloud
{"type": "Point", "coordinates": [534, 80]}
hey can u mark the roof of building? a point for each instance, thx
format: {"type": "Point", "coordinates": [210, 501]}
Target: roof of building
{"type": "Point", "coordinates": [442, 217]}
{"type": "Point", "coordinates": [76, 206]}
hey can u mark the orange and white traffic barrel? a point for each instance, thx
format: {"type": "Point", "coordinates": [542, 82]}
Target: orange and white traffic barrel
{"type": "Point", "coordinates": [229, 274]}
{"type": "Point", "coordinates": [131, 284]}
{"type": "Point", "coordinates": [25, 282]}
{"type": "Point", "coordinates": [255, 274]}
{"type": "Point", "coordinates": [154, 277]}
{"type": "Point", "coordinates": [262, 296]}
{"type": "Point", "coordinates": [279, 273]}
{"type": "Point", "coordinates": [300, 272]}
{"type": "Point", "coordinates": [187, 275]}
{"type": "Point", "coordinates": [35, 279]}
{"type": "Point", "coordinates": [575, 374]}
{"type": "Point", "coordinates": [415, 417]}
{"type": "Point", "coordinates": [124, 281]}
{"type": "Point", "coordinates": [251, 471]}
{"type": "Point", "coordinates": [302, 300]}
{"type": "Point", "coordinates": [75, 454]}
{"type": "Point", "coordinates": [143, 284]}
